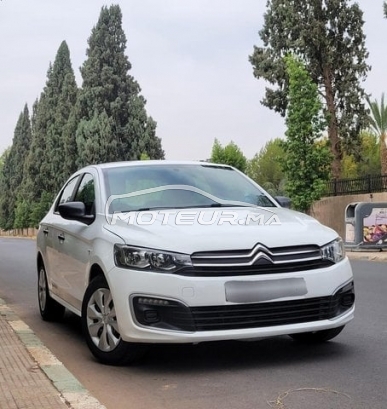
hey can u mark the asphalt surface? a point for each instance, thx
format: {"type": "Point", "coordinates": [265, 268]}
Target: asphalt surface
{"type": "Point", "coordinates": [347, 373]}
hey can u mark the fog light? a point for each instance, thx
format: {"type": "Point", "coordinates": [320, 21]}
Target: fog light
{"type": "Point", "coordinates": [347, 300]}
{"type": "Point", "coordinates": [151, 316]}
{"type": "Point", "coordinates": [162, 313]}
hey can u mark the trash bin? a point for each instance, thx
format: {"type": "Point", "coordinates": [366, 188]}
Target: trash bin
{"type": "Point", "coordinates": [366, 225]}
{"type": "Point", "coordinates": [350, 236]}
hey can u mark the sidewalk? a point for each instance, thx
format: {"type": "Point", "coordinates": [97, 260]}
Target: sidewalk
{"type": "Point", "coordinates": [30, 376]}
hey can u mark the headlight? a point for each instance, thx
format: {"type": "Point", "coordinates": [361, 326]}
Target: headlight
{"type": "Point", "coordinates": [333, 251]}
{"type": "Point", "coordinates": [148, 259]}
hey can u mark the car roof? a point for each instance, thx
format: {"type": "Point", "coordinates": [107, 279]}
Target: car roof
{"type": "Point", "coordinates": [151, 163]}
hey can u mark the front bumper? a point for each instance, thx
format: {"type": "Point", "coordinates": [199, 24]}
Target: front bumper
{"type": "Point", "coordinates": [207, 295]}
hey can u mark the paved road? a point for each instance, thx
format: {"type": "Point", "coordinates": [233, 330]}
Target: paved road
{"type": "Point", "coordinates": [348, 373]}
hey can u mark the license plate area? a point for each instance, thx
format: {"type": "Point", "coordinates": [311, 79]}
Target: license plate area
{"type": "Point", "coordinates": [265, 290]}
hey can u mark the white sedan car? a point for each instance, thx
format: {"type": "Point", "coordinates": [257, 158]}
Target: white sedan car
{"type": "Point", "coordinates": [186, 252]}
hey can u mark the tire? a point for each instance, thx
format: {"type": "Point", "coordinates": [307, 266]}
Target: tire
{"type": "Point", "coordinates": [317, 336]}
{"type": "Point", "coordinates": [100, 327]}
{"type": "Point", "coordinates": [50, 310]}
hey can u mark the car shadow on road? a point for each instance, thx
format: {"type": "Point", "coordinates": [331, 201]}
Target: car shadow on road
{"type": "Point", "coordinates": [264, 353]}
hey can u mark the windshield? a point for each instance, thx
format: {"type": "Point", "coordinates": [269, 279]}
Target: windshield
{"type": "Point", "coordinates": [179, 186]}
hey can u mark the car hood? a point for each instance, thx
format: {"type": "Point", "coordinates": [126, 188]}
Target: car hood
{"type": "Point", "coordinates": [286, 228]}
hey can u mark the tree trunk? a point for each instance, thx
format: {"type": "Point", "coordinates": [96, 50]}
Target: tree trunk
{"type": "Point", "coordinates": [383, 153]}
{"type": "Point", "coordinates": [333, 133]}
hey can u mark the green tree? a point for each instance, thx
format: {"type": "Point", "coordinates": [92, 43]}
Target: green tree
{"type": "Point", "coordinates": [328, 35]}
{"type": "Point", "coordinates": [50, 158]}
{"type": "Point", "coordinates": [144, 156]}
{"type": "Point", "coordinates": [266, 167]}
{"type": "Point", "coordinates": [369, 162]}
{"type": "Point", "coordinates": [228, 155]}
{"type": "Point", "coordinates": [6, 198]}
{"type": "Point", "coordinates": [307, 158]}
{"type": "Point", "coordinates": [57, 101]}
{"type": "Point", "coordinates": [40, 208]}
{"type": "Point", "coordinates": [4, 187]}
{"type": "Point", "coordinates": [70, 143]}
{"type": "Point", "coordinates": [112, 123]}
{"type": "Point", "coordinates": [370, 155]}
{"type": "Point", "coordinates": [349, 167]}
{"type": "Point", "coordinates": [62, 91]}
{"type": "Point", "coordinates": [378, 123]}
{"type": "Point", "coordinates": [33, 181]}
{"type": "Point", "coordinates": [13, 169]}
{"type": "Point", "coordinates": [3, 157]}
{"type": "Point", "coordinates": [46, 164]}
{"type": "Point", "coordinates": [96, 139]}
{"type": "Point", "coordinates": [22, 214]}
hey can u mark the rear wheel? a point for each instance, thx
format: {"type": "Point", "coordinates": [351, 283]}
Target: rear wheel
{"type": "Point", "coordinates": [317, 336]}
{"type": "Point", "coordinates": [100, 326]}
{"type": "Point", "coordinates": [49, 309]}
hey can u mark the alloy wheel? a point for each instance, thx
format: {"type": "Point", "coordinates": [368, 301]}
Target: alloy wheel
{"type": "Point", "coordinates": [42, 289]}
{"type": "Point", "coordinates": [102, 321]}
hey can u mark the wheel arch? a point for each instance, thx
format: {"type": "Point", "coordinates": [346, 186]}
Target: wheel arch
{"type": "Point", "coordinates": [95, 271]}
{"type": "Point", "coordinates": [39, 261]}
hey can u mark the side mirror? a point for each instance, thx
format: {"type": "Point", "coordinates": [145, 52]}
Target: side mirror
{"type": "Point", "coordinates": [283, 201]}
{"type": "Point", "coordinates": [75, 211]}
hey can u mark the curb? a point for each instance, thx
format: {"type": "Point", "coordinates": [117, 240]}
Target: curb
{"type": "Point", "coordinates": [71, 391]}
{"type": "Point", "coordinates": [380, 256]}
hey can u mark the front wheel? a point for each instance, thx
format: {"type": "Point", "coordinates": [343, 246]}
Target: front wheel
{"type": "Point", "coordinates": [100, 326]}
{"type": "Point", "coordinates": [317, 336]}
{"type": "Point", "coordinates": [49, 309]}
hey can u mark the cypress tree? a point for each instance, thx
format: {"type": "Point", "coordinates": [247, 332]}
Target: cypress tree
{"type": "Point", "coordinates": [46, 165]}
{"type": "Point", "coordinates": [5, 177]}
{"type": "Point", "coordinates": [113, 123]}
{"type": "Point", "coordinates": [60, 96]}
{"type": "Point", "coordinates": [70, 144]}
{"type": "Point", "coordinates": [33, 183]}
{"type": "Point", "coordinates": [63, 80]}
{"type": "Point", "coordinates": [20, 148]}
{"type": "Point", "coordinates": [98, 143]}
{"type": "Point", "coordinates": [13, 169]}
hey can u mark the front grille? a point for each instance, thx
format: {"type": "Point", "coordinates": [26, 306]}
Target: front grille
{"type": "Point", "coordinates": [264, 314]}
{"type": "Point", "coordinates": [230, 271]}
{"type": "Point", "coordinates": [258, 260]}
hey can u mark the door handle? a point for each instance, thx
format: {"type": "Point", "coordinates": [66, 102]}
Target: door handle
{"type": "Point", "coordinates": [61, 237]}
{"type": "Point", "coordinates": [45, 232]}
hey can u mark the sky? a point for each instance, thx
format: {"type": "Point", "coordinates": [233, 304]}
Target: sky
{"type": "Point", "coordinates": [190, 58]}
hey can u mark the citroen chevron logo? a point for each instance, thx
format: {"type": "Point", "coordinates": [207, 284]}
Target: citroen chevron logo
{"type": "Point", "coordinates": [262, 256]}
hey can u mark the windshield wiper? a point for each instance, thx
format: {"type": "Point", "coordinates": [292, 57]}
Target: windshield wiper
{"type": "Point", "coordinates": [229, 205]}
{"type": "Point", "coordinates": [148, 209]}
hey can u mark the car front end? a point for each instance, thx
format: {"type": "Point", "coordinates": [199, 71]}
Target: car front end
{"type": "Point", "coordinates": [238, 289]}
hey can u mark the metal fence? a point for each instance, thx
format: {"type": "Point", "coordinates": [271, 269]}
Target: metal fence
{"type": "Point", "coordinates": [366, 184]}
